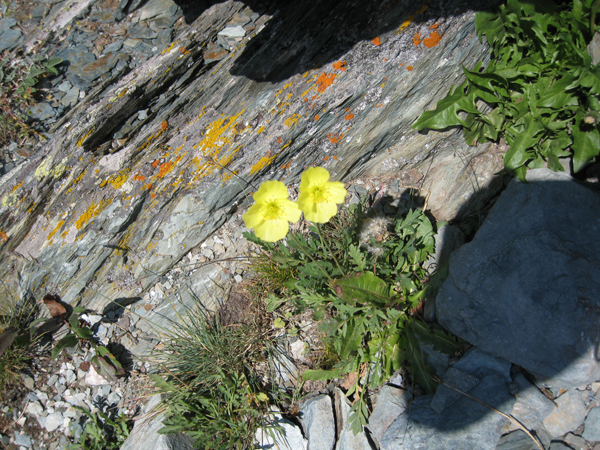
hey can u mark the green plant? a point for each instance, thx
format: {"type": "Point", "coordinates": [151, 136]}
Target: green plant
{"type": "Point", "coordinates": [102, 431]}
{"type": "Point", "coordinates": [18, 76]}
{"type": "Point", "coordinates": [217, 379]}
{"type": "Point", "coordinates": [104, 362]}
{"type": "Point", "coordinates": [361, 277]}
{"type": "Point", "coordinates": [16, 344]}
{"type": "Point", "coordinates": [541, 84]}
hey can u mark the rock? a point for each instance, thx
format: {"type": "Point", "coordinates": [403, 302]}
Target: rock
{"type": "Point", "coordinates": [445, 396]}
{"type": "Point", "coordinates": [22, 440]}
{"type": "Point", "coordinates": [105, 16]}
{"type": "Point", "coordinates": [318, 423]}
{"type": "Point", "coordinates": [347, 439]}
{"type": "Point", "coordinates": [517, 440]}
{"type": "Point", "coordinates": [567, 415]}
{"type": "Point", "coordinates": [391, 402]}
{"type": "Point", "coordinates": [157, 8]}
{"type": "Point", "coordinates": [53, 421]}
{"type": "Point", "coordinates": [531, 407]}
{"type": "Point", "coordinates": [142, 32]}
{"type": "Point", "coordinates": [42, 111]}
{"type": "Point", "coordinates": [34, 408]}
{"type": "Point", "coordinates": [235, 109]}
{"type": "Point", "coordinates": [466, 425]}
{"type": "Point", "coordinates": [89, 72]}
{"type": "Point", "coordinates": [9, 37]}
{"type": "Point", "coordinates": [214, 53]}
{"type": "Point", "coordinates": [592, 425]}
{"type": "Point", "coordinates": [479, 363]}
{"type": "Point", "coordinates": [289, 439]}
{"type": "Point", "coordinates": [28, 381]}
{"type": "Point", "coordinates": [509, 293]}
{"type": "Point", "coordinates": [92, 378]}
{"type": "Point", "coordinates": [71, 97]}
{"type": "Point", "coordinates": [237, 31]}
{"type": "Point", "coordinates": [144, 434]}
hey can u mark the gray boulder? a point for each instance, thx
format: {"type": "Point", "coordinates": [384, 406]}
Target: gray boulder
{"type": "Point", "coordinates": [527, 288]}
{"type": "Point", "coordinates": [316, 418]}
{"type": "Point", "coordinates": [461, 423]}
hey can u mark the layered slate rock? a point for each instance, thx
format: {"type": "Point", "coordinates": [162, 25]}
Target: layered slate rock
{"type": "Point", "coordinates": [153, 161]}
{"type": "Point", "coordinates": [527, 288]}
{"type": "Point", "coordinates": [446, 420]}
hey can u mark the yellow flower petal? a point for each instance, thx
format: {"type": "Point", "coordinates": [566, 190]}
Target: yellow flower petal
{"type": "Point", "coordinates": [318, 196]}
{"type": "Point", "coordinates": [270, 214]}
{"type": "Point", "coordinates": [270, 190]}
{"type": "Point", "coordinates": [272, 230]}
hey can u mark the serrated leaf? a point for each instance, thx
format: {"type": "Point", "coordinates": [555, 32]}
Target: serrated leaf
{"type": "Point", "coordinates": [522, 140]}
{"type": "Point", "coordinates": [446, 112]}
{"type": "Point", "coordinates": [586, 145]}
{"type": "Point", "coordinates": [70, 340]}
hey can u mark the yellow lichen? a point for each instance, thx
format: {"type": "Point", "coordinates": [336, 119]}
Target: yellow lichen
{"type": "Point", "coordinates": [290, 122]}
{"type": "Point", "coordinates": [56, 228]}
{"type": "Point", "coordinates": [260, 130]}
{"type": "Point", "coordinates": [93, 210]}
{"type": "Point", "coordinates": [82, 140]}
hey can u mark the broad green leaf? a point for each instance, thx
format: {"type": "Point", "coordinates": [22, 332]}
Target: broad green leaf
{"type": "Point", "coordinates": [84, 333]}
{"type": "Point", "coordinates": [490, 81]}
{"type": "Point", "coordinates": [441, 341]}
{"type": "Point", "coordinates": [362, 288]}
{"type": "Point", "coordinates": [104, 368]}
{"type": "Point", "coordinates": [586, 145]}
{"type": "Point", "coordinates": [520, 141]}
{"type": "Point", "coordinates": [278, 323]}
{"type": "Point", "coordinates": [70, 340]}
{"type": "Point", "coordinates": [318, 375]}
{"type": "Point", "coordinates": [558, 97]}
{"type": "Point", "coordinates": [490, 25]}
{"type": "Point", "coordinates": [446, 113]}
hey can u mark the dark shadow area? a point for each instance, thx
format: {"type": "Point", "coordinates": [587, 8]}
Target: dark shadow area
{"type": "Point", "coordinates": [117, 306]}
{"type": "Point", "coordinates": [305, 35]}
{"type": "Point", "coordinates": [531, 267]}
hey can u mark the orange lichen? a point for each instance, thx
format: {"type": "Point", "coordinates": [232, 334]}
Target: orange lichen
{"type": "Point", "coordinates": [155, 164]}
{"type": "Point", "coordinates": [138, 177]}
{"type": "Point", "coordinates": [147, 186]}
{"type": "Point", "coordinates": [335, 138]}
{"type": "Point", "coordinates": [152, 195]}
{"type": "Point", "coordinates": [409, 68]}
{"type": "Point", "coordinates": [93, 210]}
{"type": "Point", "coordinates": [279, 140]}
{"type": "Point", "coordinates": [326, 158]}
{"type": "Point", "coordinates": [165, 169]}
{"type": "Point", "coordinates": [324, 81]}
{"type": "Point", "coordinates": [334, 157]}
{"type": "Point", "coordinates": [432, 40]}
{"type": "Point", "coordinates": [3, 236]}
{"type": "Point", "coordinates": [349, 116]}
{"type": "Point", "coordinates": [317, 117]}
{"type": "Point", "coordinates": [340, 65]}
{"type": "Point", "coordinates": [417, 39]}
{"type": "Point", "coordinates": [164, 125]}
{"type": "Point", "coordinates": [376, 41]}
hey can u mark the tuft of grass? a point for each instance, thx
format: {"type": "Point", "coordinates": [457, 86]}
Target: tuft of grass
{"type": "Point", "coordinates": [218, 378]}
{"type": "Point", "coordinates": [16, 347]}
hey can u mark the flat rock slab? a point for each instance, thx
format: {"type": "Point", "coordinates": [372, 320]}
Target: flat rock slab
{"type": "Point", "coordinates": [527, 288]}
{"type": "Point", "coordinates": [466, 425]}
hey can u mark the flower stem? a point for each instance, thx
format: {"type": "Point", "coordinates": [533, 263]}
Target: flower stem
{"type": "Point", "coordinates": [329, 250]}
{"type": "Point", "coordinates": [293, 236]}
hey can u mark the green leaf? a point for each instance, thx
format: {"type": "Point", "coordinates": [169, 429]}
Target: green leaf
{"type": "Point", "coordinates": [70, 340]}
{"type": "Point", "coordinates": [586, 145]}
{"type": "Point", "coordinates": [446, 113]}
{"type": "Point", "coordinates": [83, 333]}
{"type": "Point", "coordinates": [520, 141]}
{"type": "Point", "coordinates": [54, 61]}
{"type": "Point", "coordinates": [362, 288]}
{"type": "Point", "coordinates": [441, 341]}
{"type": "Point", "coordinates": [104, 368]}
{"type": "Point", "coordinates": [319, 375]}
{"type": "Point", "coordinates": [278, 323]}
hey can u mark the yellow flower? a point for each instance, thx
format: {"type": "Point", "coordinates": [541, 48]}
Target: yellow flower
{"type": "Point", "coordinates": [319, 196]}
{"type": "Point", "coordinates": [270, 215]}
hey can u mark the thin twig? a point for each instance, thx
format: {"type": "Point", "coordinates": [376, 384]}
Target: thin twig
{"type": "Point", "coordinates": [512, 419]}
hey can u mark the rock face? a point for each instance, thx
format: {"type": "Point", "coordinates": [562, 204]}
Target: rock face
{"type": "Point", "coordinates": [446, 420]}
{"type": "Point", "coordinates": [527, 287]}
{"type": "Point", "coordinates": [158, 155]}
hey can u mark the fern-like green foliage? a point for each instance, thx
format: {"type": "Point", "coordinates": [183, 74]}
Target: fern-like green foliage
{"type": "Point", "coordinates": [541, 84]}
